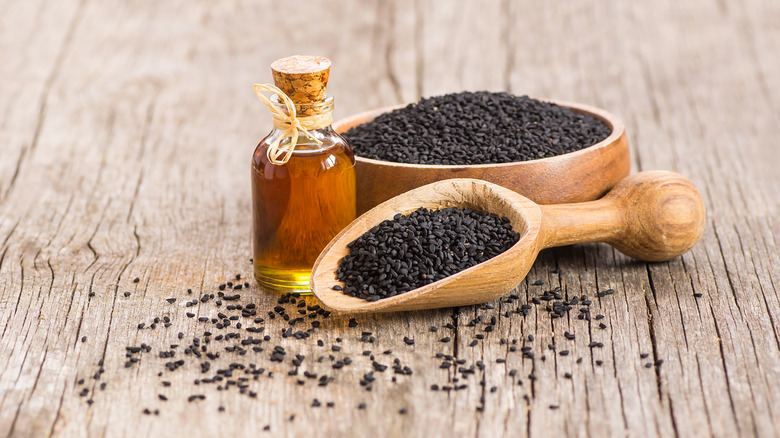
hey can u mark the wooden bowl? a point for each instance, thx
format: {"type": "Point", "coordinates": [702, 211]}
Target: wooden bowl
{"type": "Point", "coordinates": [583, 175]}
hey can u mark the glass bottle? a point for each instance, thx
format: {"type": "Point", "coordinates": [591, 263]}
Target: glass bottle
{"type": "Point", "coordinates": [299, 206]}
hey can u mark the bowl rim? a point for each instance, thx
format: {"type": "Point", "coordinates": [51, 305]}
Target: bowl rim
{"type": "Point", "coordinates": [609, 119]}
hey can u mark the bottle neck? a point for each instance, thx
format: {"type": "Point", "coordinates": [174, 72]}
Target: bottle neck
{"type": "Point", "coordinates": [315, 117]}
{"type": "Point", "coordinates": [314, 114]}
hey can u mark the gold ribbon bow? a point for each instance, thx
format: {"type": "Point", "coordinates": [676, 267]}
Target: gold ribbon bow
{"type": "Point", "coordinates": [288, 123]}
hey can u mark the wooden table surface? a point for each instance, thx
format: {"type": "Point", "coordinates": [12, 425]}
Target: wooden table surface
{"type": "Point", "coordinates": [126, 130]}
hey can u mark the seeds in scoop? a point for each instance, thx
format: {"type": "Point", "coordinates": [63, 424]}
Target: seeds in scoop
{"type": "Point", "coordinates": [475, 128]}
{"type": "Point", "coordinates": [408, 252]}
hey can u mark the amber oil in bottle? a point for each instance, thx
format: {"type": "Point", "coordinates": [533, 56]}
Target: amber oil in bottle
{"type": "Point", "coordinates": [299, 206]}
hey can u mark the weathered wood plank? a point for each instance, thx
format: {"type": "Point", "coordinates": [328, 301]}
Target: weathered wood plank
{"type": "Point", "coordinates": [125, 136]}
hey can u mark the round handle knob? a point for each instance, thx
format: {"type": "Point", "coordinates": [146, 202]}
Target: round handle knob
{"type": "Point", "coordinates": [663, 215]}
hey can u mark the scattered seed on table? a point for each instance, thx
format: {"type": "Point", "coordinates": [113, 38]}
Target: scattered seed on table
{"type": "Point", "coordinates": [290, 306]}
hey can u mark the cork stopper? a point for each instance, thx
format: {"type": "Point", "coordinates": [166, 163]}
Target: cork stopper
{"type": "Point", "coordinates": [303, 78]}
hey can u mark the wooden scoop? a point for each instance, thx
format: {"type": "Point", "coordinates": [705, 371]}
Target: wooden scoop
{"type": "Point", "coordinates": [652, 216]}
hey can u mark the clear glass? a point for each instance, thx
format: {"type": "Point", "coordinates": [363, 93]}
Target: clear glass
{"type": "Point", "coordinates": [298, 207]}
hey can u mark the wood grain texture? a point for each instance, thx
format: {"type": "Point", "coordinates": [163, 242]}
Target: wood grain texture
{"type": "Point", "coordinates": [126, 132]}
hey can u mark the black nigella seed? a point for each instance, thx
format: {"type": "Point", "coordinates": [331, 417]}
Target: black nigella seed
{"type": "Point", "coordinates": [411, 251]}
{"type": "Point", "coordinates": [171, 300]}
{"type": "Point", "coordinates": [83, 339]}
{"type": "Point", "coordinates": [454, 128]}
{"type": "Point", "coordinates": [362, 406]}
{"type": "Point", "coordinates": [127, 294]}
{"type": "Point", "coordinates": [136, 280]}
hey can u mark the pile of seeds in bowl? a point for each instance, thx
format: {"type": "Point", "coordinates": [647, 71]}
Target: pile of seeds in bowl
{"type": "Point", "coordinates": [413, 250]}
{"type": "Point", "coordinates": [475, 128]}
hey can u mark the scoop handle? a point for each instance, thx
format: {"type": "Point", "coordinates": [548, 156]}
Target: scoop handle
{"type": "Point", "coordinates": [651, 216]}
